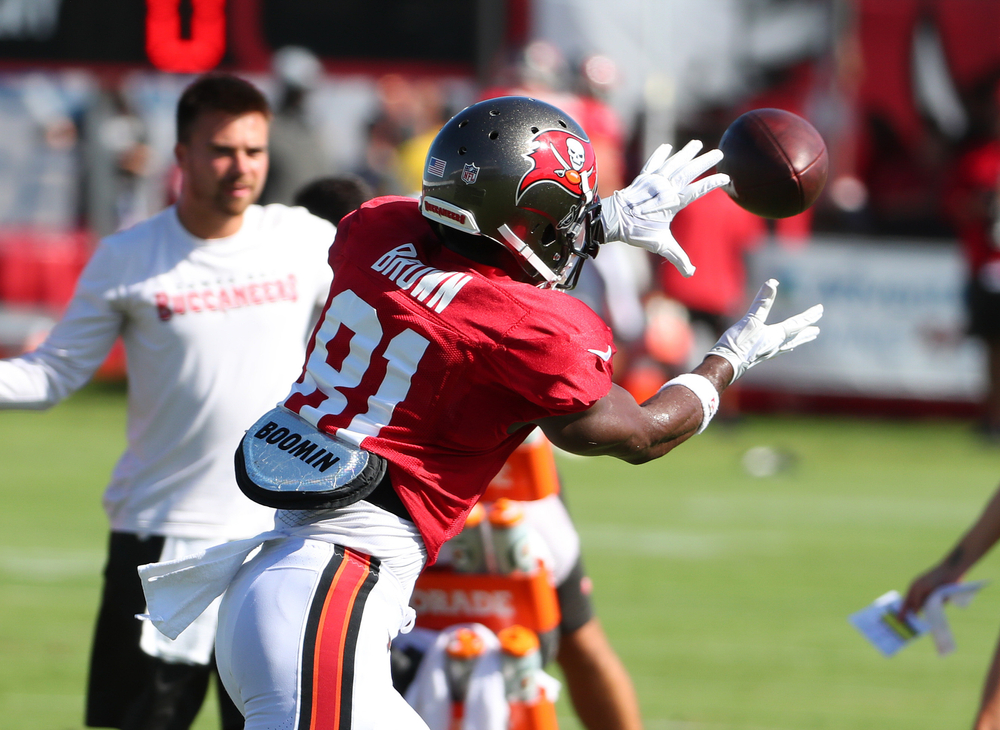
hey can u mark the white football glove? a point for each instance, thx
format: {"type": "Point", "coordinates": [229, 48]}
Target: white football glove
{"type": "Point", "coordinates": [751, 340]}
{"type": "Point", "coordinates": [640, 214]}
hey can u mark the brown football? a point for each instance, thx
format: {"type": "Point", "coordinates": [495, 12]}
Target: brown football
{"type": "Point", "coordinates": [777, 162]}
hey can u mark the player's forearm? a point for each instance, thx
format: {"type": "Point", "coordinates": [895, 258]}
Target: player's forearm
{"type": "Point", "coordinates": [676, 413]}
{"type": "Point", "coordinates": [674, 421]}
{"type": "Point", "coordinates": [618, 426]}
{"type": "Point", "coordinates": [979, 539]}
{"type": "Point", "coordinates": [31, 383]}
{"type": "Point", "coordinates": [75, 348]}
{"type": "Point", "coordinates": [23, 387]}
{"type": "Point", "coordinates": [717, 370]}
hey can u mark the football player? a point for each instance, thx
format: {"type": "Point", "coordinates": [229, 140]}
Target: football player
{"type": "Point", "coordinates": [445, 340]}
{"type": "Point", "coordinates": [598, 684]}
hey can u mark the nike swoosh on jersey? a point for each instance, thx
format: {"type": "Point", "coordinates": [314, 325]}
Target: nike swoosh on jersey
{"type": "Point", "coordinates": [603, 355]}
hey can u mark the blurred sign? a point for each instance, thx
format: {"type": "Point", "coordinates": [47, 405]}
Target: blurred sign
{"type": "Point", "coordinates": [893, 325]}
{"type": "Point", "coordinates": [192, 36]}
{"type": "Point", "coordinates": [29, 18]}
{"type": "Point", "coordinates": [95, 31]}
{"type": "Point", "coordinates": [417, 30]}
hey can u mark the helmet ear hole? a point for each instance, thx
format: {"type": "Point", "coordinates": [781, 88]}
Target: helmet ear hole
{"type": "Point", "coordinates": [548, 236]}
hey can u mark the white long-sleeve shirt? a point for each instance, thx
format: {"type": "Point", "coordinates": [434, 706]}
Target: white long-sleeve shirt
{"type": "Point", "coordinates": [214, 333]}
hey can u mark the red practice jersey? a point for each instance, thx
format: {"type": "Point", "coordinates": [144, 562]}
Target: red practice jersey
{"type": "Point", "coordinates": [427, 358]}
{"type": "Point", "coordinates": [968, 201]}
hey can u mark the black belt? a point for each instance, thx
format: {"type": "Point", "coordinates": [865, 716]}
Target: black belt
{"type": "Point", "coordinates": [386, 497]}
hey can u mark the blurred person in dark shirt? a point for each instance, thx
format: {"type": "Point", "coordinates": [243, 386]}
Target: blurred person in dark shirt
{"type": "Point", "coordinates": [972, 206]}
{"type": "Point", "coordinates": [333, 197]}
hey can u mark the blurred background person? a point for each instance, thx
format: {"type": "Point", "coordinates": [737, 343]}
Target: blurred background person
{"type": "Point", "coordinates": [295, 146]}
{"type": "Point", "coordinates": [977, 541]}
{"type": "Point", "coordinates": [333, 197]}
{"type": "Point", "coordinates": [596, 77]}
{"type": "Point", "coordinates": [540, 70]}
{"type": "Point", "coordinates": [614, 286]}
{"type": "Point", "coordinates": [380, 163]}
{"type": "Point", "coordinates": [718, 237]}
{"type": "Point", "coordinates": [184, 291]}
{"type": "Point", "coordinates": [116, 156]}
{"type": "Point", "coordinates": [427, 117]}
{"type": "Point", "coordinates": [389, 127]}
{"type": "Point", "coordinates": [973, 205]}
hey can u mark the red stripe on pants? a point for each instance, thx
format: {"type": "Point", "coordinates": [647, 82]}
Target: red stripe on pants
{"type": "Point", "coordinates": [328, 658]}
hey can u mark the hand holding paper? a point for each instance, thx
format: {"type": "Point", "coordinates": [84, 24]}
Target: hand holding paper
{"type": "Point", "coordinates": [888, 631]}
{"type": "Point", "coordinates": [881, 625]}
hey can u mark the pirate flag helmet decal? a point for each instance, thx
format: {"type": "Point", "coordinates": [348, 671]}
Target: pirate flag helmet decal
{"type": "Point", "coordinates": [518, 173]}
{"type": "Point", "coordinates": [564, 159]}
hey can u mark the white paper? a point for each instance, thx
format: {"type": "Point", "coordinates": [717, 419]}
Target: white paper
{"type": "Point", "coordinates": [881, 625]}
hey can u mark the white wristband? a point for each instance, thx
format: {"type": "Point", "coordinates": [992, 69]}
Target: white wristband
{"type": "Point", "coordinates": [706, 392]}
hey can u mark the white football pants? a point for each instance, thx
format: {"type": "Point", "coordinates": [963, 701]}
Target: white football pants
{"type": "Point", "coordinates": [303, 639]}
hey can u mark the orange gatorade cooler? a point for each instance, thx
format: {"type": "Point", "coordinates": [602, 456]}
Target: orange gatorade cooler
{"type": "Point", "coordinates": [462, 651]}
{"type": "Point", "coordinates": [538, 716]}
{"type": "Point", "coordinates": [528, 474]}
{"type": "Point", "coordinates": [443, 598]}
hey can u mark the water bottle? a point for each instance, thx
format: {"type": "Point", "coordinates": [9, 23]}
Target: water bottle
{"type": "Point", "coordinates": [511, 537]}
{"type": "Point", "coordinates": [468, 548]}
{"type": "Point", "coordinates": [461, 654]}
{"type": "Point", "coordinates": [521, 661]}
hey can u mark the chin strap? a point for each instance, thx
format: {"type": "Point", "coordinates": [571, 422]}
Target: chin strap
{"type": "Point", "coordinates": [460, 219]}
{"type": "Point", "coordinates": [524, 253]}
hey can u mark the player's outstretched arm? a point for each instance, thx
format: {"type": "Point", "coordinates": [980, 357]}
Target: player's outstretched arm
{"type": "Point", "coordinates": [976, 542]}
{"type": "Point", "coordinates": [618, 426]}
{"type": "Point", "coordinates": [76, 346]}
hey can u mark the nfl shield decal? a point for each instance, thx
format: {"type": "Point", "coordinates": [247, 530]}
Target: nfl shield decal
{"type": "Point", "coordinates": [560, 158]}
{"type": "Point", "coordinates": [470, 173]}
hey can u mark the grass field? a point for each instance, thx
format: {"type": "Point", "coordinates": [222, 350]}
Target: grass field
{"type": "Point", "coordinates": [726, 595]}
